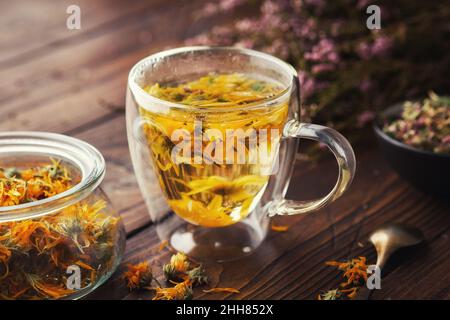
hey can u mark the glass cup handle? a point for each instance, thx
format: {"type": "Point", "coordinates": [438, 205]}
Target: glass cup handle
{"type": "Point", "coordinates": [343, 153]}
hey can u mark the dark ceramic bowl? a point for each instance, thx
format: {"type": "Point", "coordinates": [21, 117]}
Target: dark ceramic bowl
{"type": "Point", "coordinates": [427, 171]}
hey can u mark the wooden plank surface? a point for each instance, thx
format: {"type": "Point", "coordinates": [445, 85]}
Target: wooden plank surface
{"type": "Point", "coordinates": [73, 82]}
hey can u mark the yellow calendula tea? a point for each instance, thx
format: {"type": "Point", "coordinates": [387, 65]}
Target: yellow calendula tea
{"type": "Point", "coordinates": [213, 156]}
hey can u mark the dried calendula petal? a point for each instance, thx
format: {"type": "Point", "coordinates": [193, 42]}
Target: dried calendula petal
{"type": "Point", "coordinates": [351, 293]}
{"type": "Point", "coordinates": [355, 273]}
{"type": "Point", "coordinates": [179, 268]}
{"type": "Point", "coordinates": [181, 291]}
{"type": "Point", "coordinates": [355, 270]}
{"type": "Point", "coordinates": [47, 289]}
{"type": "Point", "coordinates": [163, 245]}
{"type": "Point", "coordinates": [278, 228]}
{"type": "Point", "coordinates": [229, 290]}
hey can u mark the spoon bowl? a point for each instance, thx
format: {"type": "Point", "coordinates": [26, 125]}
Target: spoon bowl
{"type": "Point", "coordinates": [391, 237]}
{"type": "Point", "coordinates": [387, 239]}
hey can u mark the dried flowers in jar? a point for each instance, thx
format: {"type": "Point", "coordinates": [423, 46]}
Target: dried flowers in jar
{"type": "Point", "coordinates": [59, 237]}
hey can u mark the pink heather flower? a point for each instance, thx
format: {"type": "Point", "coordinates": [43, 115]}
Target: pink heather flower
{"type": "Point", "coordinates": [364, 51]}
{"type": "Point", "coordinates": [221, 6]}
{"type": "Point", "coordinates": [309, 85]}
{"type": "Point", "coordinates": [271, 22]}
{"type": "Point", "coordinates": [324, 51]}
{"type": "Point", "coordinates": [245, 43]}
{"type": "Point", "coordinates": [307, 88]}
{"type": "Point", "coordinates": [336, 26]}
{"type": "Point", "coordinates": [362, 4]}
{"type": "Point", "coordinates": [305, 29]}
{"type": "Point", "coordinates": [201, 39]}
{"type": "Point", "coordinates": [284, 26]}
{"type": "Point", "coordinates": [227, 5]}
{"type": "Point", "coordinates": [322, 67]}
{"type": "Point", "coordinates": [446, 139]}
{"type": "Point", "coordinates": [278, 48]}
{"type": "Point", "coordinates": [210, 9]}
{"type": "Point", "coordinates": [271, 13]}
{"type": "Point", "coordinates": [333, 57]}
{"type": "Point", "coordinates": [320, 85]}
{"type": "Point", "coordinates": [317, 4]}
{"type": "Point", "coordinates": [297, 6]}
{"type": "Point", "coordinates": [365, 118]}
{"type": "Point", "coordinates": [270, 8]}
{"type": "Point", "coordinates": [365, 85]}
{"type": "Point", "coordinates": [247, 25]}
{"type": "Point", "coordinates": [302, 76]}
{"type": "Point", "coordinates": [306, 84]}
{"type": "Point", "coordinates": [223, 35]}
{"type": "Point", "coordinates": [381, 46]}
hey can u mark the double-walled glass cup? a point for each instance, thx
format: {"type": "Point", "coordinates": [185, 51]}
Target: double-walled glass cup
{"type": "Point", "coordinates": [65, 245]}
{"type": "Point", "coordinates": [213, 176]}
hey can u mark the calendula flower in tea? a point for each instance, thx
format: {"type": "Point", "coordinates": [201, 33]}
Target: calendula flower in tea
{"type": "Point", "coordinates": [218, 190]}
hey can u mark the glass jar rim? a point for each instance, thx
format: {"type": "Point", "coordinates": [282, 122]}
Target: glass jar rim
{"type": "Point", "coordinates": [86, 158]}
{"type": "Point", "coordinates": [146, 99]}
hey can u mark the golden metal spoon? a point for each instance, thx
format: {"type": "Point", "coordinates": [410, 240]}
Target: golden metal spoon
{"type": "Point", "coordinates": [387, 240]}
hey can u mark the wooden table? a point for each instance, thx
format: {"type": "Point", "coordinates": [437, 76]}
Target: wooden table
{"type": "Point", "coordinates": [73, 82]}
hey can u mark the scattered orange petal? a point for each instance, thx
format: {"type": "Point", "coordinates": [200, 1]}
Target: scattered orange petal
{"type": "Point", "coordinates": [163, 245]}
{"type": "Point", "coordinates": [230, 290]}
{"type": "Point", "coordinates": [279, 228]}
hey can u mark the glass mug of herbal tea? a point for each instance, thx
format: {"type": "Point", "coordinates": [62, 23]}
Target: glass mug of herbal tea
{"type": "Point", "coordinates": [213, 134]}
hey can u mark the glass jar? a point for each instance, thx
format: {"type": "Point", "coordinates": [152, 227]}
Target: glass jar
{"type": "Point", "coordinates": [200, 202]}
{"type": "Point", "coordinates": [66, 245]}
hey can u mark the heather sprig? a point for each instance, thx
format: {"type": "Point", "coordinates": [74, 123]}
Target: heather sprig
{"type": "Point", "coordinates": [347, 72]}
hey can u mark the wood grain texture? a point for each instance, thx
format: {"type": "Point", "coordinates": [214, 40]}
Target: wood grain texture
{"type": "Point", "coordinates": [73, 82]}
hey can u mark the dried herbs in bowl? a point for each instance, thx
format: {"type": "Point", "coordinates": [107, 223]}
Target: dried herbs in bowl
{"type": "Point", "coordinates": [424, 125]}
{"type": "Point", "coordinates": [415, 139]}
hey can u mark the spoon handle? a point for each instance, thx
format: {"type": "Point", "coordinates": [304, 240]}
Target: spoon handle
{"type": "Point", "coordinates": [383, 256]}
